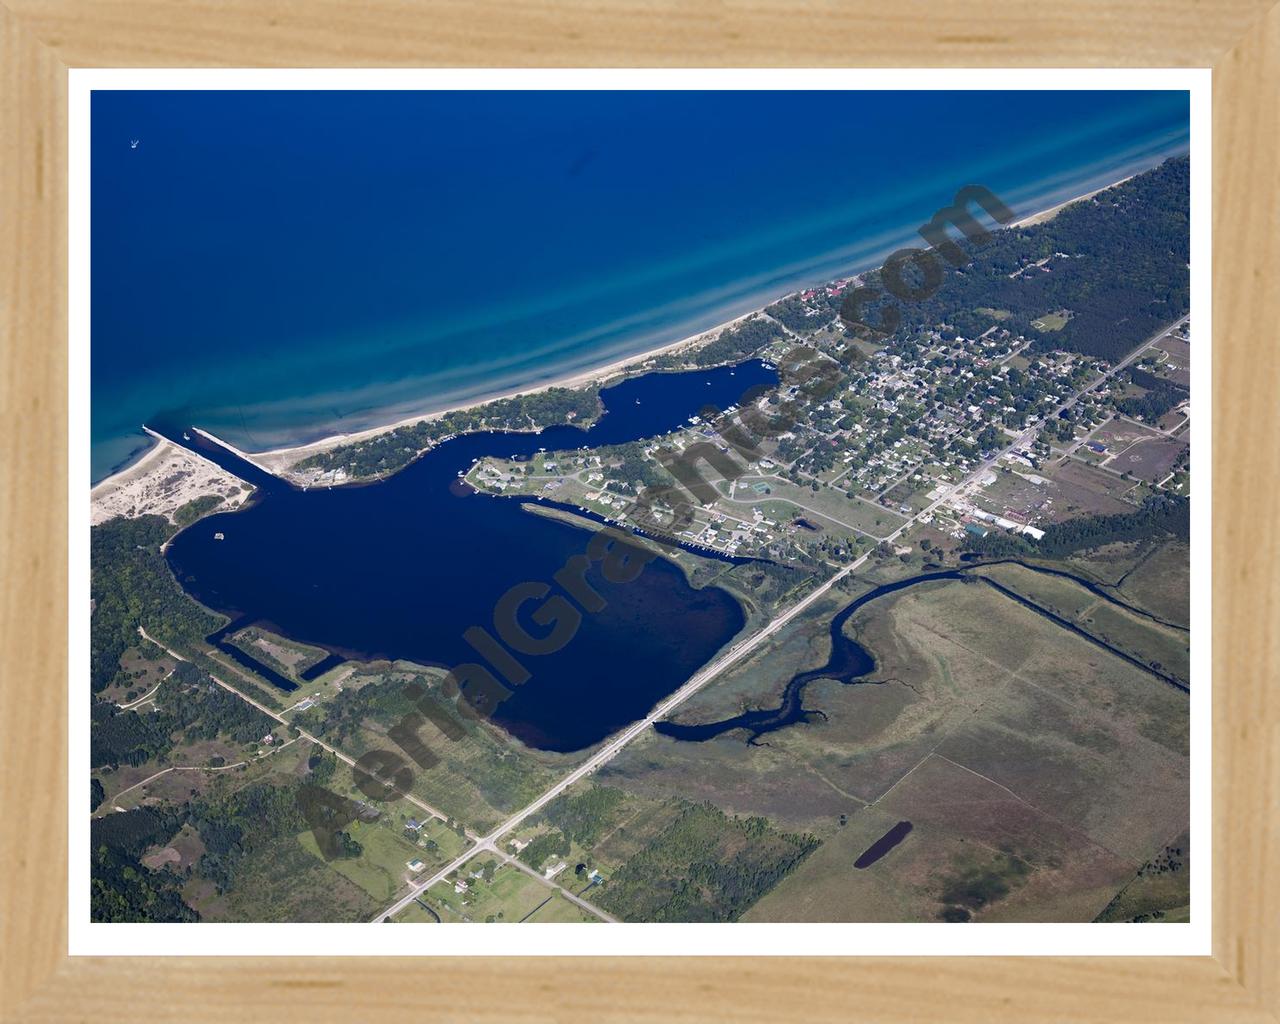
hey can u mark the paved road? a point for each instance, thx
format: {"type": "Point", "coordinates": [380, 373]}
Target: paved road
{"type": "Point", "coordinates": [422, 805]}
{"type": "Point", "coordinates": [203, 768]}
{"type": "Point", "coordinates": [471, 851]}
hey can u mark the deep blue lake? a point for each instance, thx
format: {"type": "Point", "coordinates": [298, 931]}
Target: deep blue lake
{"type": "Point", "coordinates": [401, 568]}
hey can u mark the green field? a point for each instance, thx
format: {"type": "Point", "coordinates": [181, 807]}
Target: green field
{"type": "Point", "coordinates": [283, 882]}
{"type": "Point", "coordinates": [512, 897]}
{"type": "Point", "coordinates": [559, 910]}
{"type": "Point", "coordinates": [1052, 321]}
{"type": "Point", "coordinates": [415, 913]}
{"type": "Point", "coordinates": [381, 869]}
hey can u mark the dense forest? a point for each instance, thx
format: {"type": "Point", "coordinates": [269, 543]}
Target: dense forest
{"type": "Point", "coordinates": [1117, 262]}
{"type": "Point", "coordinates": [232, 826]}
{"type": "Point", "coordinates": [197, 507]}
{"type": "Point", "coordinates": [131, 586]}
{"type": "Point", "coordinates": [1161, 396]}
{"type": "Point", "coordinates": [395, 449]}
{"type": "Point", "coordinates": [189, 707]}
{"type": "Point", "coordinates": [550, 844]}
{"type": "Point", "coordinates": [738, 342]}
{"type": "Point", "coordinates": [121, 889]}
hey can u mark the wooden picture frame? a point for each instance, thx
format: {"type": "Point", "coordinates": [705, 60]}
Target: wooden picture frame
{"type": "Point", "coordinates": [41, 39]}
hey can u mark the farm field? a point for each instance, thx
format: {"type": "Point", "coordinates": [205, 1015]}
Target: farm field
{"type": "Point", "coordinates": [1150, 642]}
{"type": "Point", "coordinates": [1084, 490]}
{"type": "Point", "coordinates": [1162, 583]}
{"type": "Point", "coordinates": [1161, 891]}
{"type": "Point", "coordinates": [1038, 777]}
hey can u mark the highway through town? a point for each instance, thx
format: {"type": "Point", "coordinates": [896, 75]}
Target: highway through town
{"type": "Point", "coordinates": [742, 648]}
{"type": "Point", "coordinates": [736, 653]}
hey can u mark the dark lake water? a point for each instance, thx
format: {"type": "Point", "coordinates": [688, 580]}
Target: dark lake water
{"type": "Point", "coordinates": [401, 568]}
{"type": "Point", "coordinates": [883, 845]}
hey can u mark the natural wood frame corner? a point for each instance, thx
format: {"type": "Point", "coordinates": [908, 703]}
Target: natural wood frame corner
{"type": "Point", "coordinates": [41, 39]}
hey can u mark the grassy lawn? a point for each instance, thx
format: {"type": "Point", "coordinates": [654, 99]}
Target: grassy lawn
{"type": "Point", "coordinates": [559, 910]}
{"type": "Point", "coordinates": [1052, 321]}
{"type": "Point", "coordinates": [509, 897]}
{"type": "Point", "coordinates": [415, 913]}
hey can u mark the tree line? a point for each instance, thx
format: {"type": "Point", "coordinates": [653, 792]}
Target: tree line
{"type": "Point", "coordinates": [395, 449]}
{"type": "Point", "coordinates": [131, 585]}
{"type": "Point", "coordinates": [1160, 515]}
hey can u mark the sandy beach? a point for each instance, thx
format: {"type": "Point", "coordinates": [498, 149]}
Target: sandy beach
{"type": "Point", "coordinates": [1053, 211]}
{"type": "Point", "coordinates": [161, 482]}
{"type": "Point", "coordinates": [280, 460]}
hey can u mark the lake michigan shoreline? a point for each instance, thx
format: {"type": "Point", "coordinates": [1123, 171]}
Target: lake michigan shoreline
{"type": "Point", "coordinates": [277, 461]}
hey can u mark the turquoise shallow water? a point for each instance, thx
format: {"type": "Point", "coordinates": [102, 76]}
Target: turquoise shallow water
{"type": "Point", "coordinates": [279, 266]}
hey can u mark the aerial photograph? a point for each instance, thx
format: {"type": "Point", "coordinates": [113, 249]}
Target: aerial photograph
{"type": "Point", "coordinates": [625, 506]}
